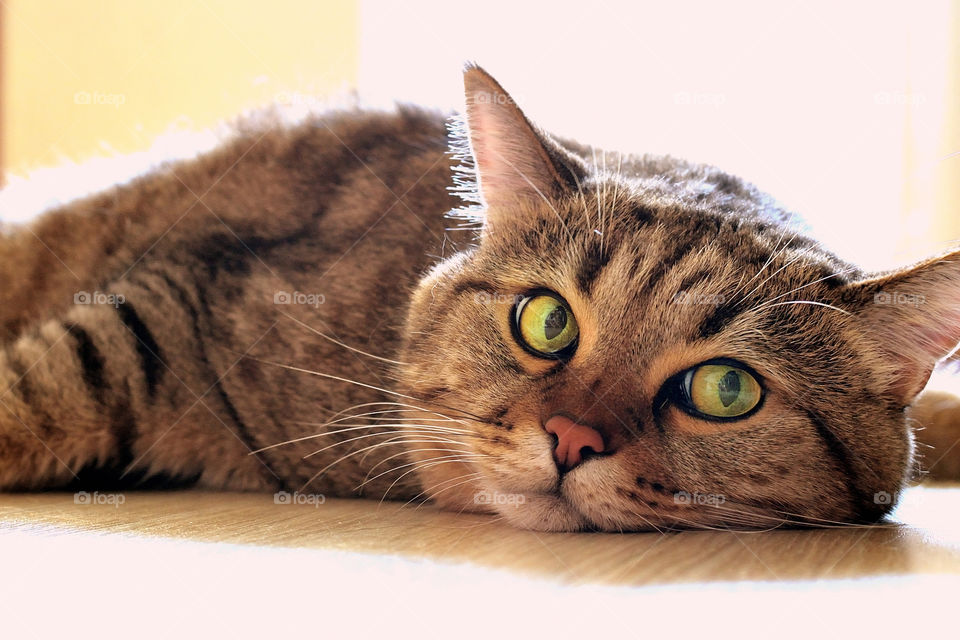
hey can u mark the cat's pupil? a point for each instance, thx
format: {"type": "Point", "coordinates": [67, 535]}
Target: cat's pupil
{"type": "Point", "coordinates": [729, 388]}
{"type": "Point", "coordinates": [555, 322]}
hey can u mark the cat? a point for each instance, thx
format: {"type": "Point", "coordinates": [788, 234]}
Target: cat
{"type": "Point", "coordinates": [487, 317]}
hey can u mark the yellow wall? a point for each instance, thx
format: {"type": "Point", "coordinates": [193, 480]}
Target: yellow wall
{"type": "Point", "coordinates": [144, 65]}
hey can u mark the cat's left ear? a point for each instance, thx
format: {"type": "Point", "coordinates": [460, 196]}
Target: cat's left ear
{"type": "Point", "coordinates": [914, 315]}
{"type": "Point", "coordinates": [514, 161]}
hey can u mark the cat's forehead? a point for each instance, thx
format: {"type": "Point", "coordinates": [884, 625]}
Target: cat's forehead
{"type": "Point", "coordinates": [656, 230]}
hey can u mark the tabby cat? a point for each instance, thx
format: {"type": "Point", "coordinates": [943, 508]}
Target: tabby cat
{"type": "Point", "coordinates": [570, 338]}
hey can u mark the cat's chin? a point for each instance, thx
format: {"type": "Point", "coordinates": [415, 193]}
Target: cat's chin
{"type": "Point", "coordinates": [544, 512]}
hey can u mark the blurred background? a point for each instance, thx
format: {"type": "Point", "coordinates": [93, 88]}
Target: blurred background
{"type": "Point", "coordinates": [848, 113]}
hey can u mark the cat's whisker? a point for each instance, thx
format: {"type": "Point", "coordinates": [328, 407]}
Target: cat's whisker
{"type": "Point", "coordinates": [354, 382]}
{"type": "Point", "coordinates": [794, 290]}
{"type": "Point", "coordinates": [810, 302]}
{"type": "Point", "coordinates": [381, 412]}
{"type": "Point", "coordinates": [404, 407]}
{"type": "Point", "coordinates": [433, 494]}
{"type": "Point", "coordinates": [397, 440]}
{"type": "Point", "coordinates": [649, 522]}
{"type": "Point", "coordinates": [804, 519]}
{"type": "Point", "coordinates": [316, 435]}
{"type": "Point", "coordinates": [457, 455]}
{"type": "Point", "coordinates": [604, 205]}
{"type": "Point", "coordinates": [425, 465]}
{"type": "Point", "coordinates": [472, 476]}
{"type": "Point", "coordinates": [777, 251]}
{"type": "Point", "coordinates": [800, 255]}
{"type": "Point", "coordinates": [391, 428]}
{"type": "Point", "coordinates": [339, 343]}
{"type": "Point", "coordinates": [402, 453]}
{"type": "Point", "coordinates": [410, 422]}
{"type": "Point", "coordinates": [585, 208]}
{"type": "Point", "coordinates": [597, 189]}
{"type": "Point", "coordinates": [401, 432]}
{"type": "Point", "coordinates": [616, 193]}
{"type": "Point", "coordinates": [724, 526]}
{"type": "Point", "coordinates": [430, 440]}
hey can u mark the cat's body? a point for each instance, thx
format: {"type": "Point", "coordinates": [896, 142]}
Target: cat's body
{"type": "Point", "coordinates": [239, 299]}
{"type": "Point", "coordinates": [340, 213]}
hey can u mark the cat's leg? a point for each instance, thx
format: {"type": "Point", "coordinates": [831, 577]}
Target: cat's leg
{"type": "Point", "coordinates": [103, 390]}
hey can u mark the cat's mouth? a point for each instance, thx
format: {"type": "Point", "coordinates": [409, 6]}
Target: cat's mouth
{"type": "Point", "coordinates": [553, 508]}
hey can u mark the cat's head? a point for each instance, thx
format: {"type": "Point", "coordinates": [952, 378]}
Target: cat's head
{"type": "Point", "coordinates": [637, 343]}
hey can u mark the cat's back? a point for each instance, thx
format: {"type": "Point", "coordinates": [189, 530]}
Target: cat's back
{"type": "Point", "coordinates": [270, 182]}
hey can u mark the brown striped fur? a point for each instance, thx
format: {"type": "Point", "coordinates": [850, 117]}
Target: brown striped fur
{"type": "Point", "coordinates": [188, 377]}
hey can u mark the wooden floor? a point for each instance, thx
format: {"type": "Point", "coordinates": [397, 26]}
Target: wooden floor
{"type": "Point", "coordinates": [173, 564]}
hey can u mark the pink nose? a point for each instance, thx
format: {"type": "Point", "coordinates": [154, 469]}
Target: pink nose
{"type": "Point", "coordinates": [572, 439]}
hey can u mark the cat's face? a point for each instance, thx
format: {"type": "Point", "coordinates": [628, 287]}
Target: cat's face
{"type": "Point", "coordinates": [625, 353]}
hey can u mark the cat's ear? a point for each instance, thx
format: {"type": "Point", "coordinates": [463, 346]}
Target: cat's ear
{"type": "Point", "coordinates": [514, 161]}
{"type": "Point", "coordinates": [914, 315]}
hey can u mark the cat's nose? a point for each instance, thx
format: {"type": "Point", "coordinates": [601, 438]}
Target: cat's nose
{"type": "Point", "coordinates": [572, 439]}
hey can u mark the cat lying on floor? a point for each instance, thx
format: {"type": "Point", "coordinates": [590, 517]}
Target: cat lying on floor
{"type": "Point", "coordinates": [599, 342]}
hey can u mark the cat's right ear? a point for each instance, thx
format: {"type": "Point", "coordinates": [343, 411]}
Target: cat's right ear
{"type": "Point", "coordinates": [914, 316]}
{"type": "Point", "coordinates": [514, 161]}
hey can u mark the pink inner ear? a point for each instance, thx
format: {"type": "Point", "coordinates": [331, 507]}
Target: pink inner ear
{"type": "Point", "coordinates": [914, 316]}
{"type": "Point", "coordinates": [511, 162]}
{"type": "Point", "coordinates": [918, 337]}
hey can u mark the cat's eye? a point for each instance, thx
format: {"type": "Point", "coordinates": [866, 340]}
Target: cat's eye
{"type": "Point", "coordinates": [720, 390]}
{"type": "Point", "coordinates": [544, 325]}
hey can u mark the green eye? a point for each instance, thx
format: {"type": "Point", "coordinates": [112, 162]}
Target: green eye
{"type": "Point", "coordinates": [721, 390]}
{"type": "Point", "coordinates": [544, 325]}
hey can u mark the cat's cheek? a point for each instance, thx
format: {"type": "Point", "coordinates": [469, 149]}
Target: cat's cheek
{"type": "Point", "coordinates": [677, 421]}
